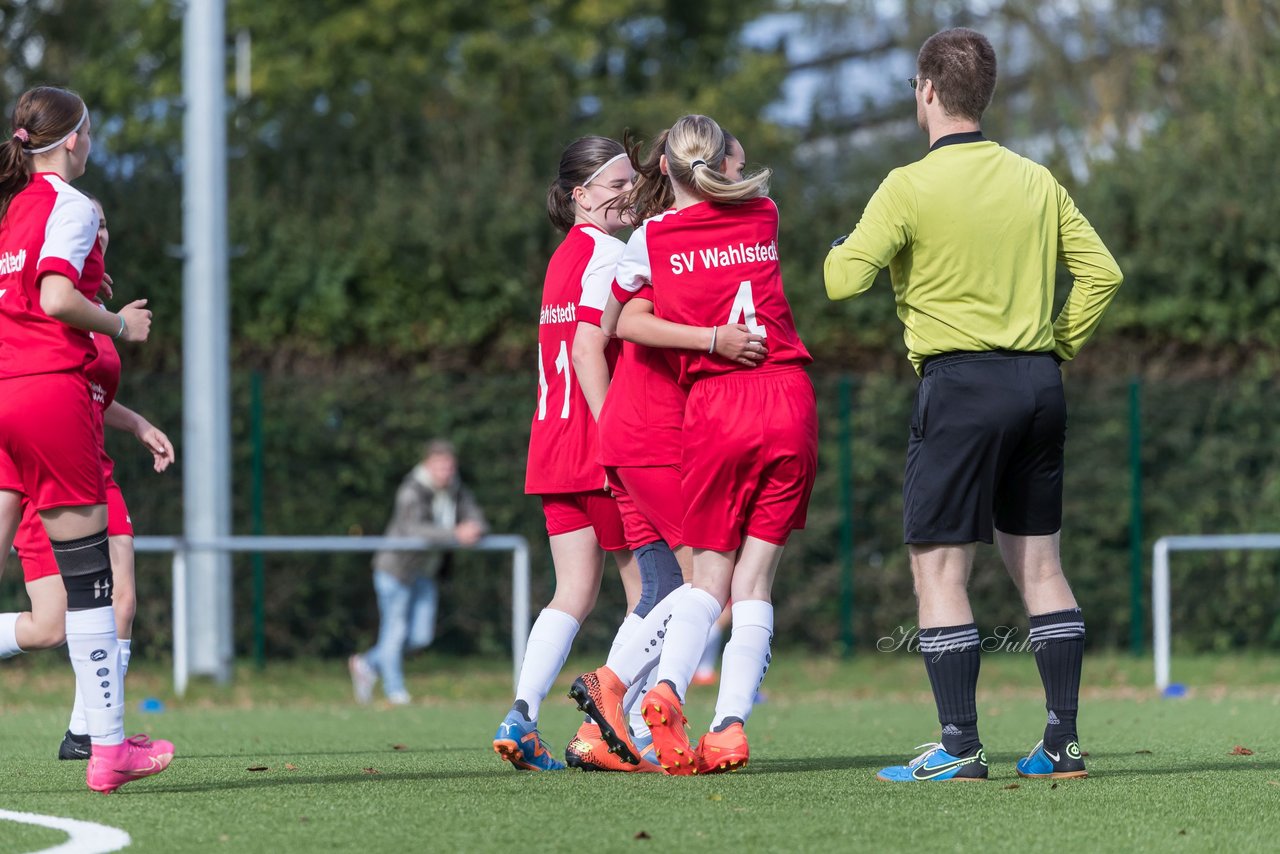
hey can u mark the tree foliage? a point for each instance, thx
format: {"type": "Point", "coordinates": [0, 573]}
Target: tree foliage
{"type": "Point", "coordinates": [387, 182]}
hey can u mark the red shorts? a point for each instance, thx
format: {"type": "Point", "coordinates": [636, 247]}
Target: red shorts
{"type": "Point", "coordinates": [118, 522]}
{"type": "Point", "coordinates": [573, 511]}
{"type": "Point", "coordinates": [649, 501]}
{"type": "Point", "coordinates": [750, 457]}
{"type": "Point", "coordinates": [50, 442]}
{"type": "Point", "coordinates": [32, 543]}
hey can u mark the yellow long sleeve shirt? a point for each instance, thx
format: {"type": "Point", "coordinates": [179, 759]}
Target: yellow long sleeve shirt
{"type": "Point", "coordinates": [971, 235]}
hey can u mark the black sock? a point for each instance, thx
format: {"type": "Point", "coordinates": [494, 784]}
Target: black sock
{"type": "Point", "coordinates": [951, 660]}
{"type": "Point", "coordinates": [1058, 641]}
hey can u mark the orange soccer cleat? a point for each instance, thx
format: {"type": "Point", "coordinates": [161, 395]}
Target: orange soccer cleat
{"type": "Point", "coordinates": [589, 752]}
{"type": "Point", "coordinates": [723, 751]}
{"type": "Point", "coordinates": [600, 693]}
{"type": "Point", "coordinates": [665, 716]}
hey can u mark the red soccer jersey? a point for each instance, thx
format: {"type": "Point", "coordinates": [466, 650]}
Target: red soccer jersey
{"type": "Point", "coordinates": [712, 264]}
{"type": "Point", "coordinates": [642, 414]}
{"type": "Point", "coordinates": [564, 451]}
{"type": "Point", "coordinates": [103, 374]}
{"type": "Point", "coordinates": [49, 228]}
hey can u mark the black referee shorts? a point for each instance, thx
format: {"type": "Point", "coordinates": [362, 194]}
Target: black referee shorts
{"type": "Point", "coordinates": [986, 448]}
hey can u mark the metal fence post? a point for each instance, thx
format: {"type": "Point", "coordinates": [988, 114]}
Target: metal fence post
{"type": "Point", "coordinates": [519, 606]}
{"type": "Point", "coordinates": [181, 625]}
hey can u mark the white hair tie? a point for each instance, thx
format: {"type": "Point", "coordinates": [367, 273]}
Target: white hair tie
{"type": "Point", "coordinates": [596, 174]}
{"type": "Point", "coordinates": [51, 146]}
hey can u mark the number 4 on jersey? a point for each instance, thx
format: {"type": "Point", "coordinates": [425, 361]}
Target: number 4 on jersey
{"type": "Point", "coordinates": [744, 311]}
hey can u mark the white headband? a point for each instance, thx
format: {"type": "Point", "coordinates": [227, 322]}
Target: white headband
{"type": "Point", "coordinates": [596, 174]}
{"type": "Point", "coordinates": [53, 145]}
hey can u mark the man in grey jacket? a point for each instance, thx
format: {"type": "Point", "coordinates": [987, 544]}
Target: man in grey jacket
{"type": "Point", "coordinates": [431, 504]}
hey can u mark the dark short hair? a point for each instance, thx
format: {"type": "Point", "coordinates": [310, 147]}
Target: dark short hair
{"type": "Point", "coordinates": [439, 447]}
{"type": "Point", "coordinates": [962, 65]}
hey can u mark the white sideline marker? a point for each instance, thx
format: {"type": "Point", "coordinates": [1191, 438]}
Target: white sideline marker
{"type": "Point", "coordinates": [85, 837]}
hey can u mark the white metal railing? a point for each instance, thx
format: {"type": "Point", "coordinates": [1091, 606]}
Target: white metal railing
{"type": "Point", "coordinates": [1160, 581]}
{"type": "Point", "coordinates": [181, 548]}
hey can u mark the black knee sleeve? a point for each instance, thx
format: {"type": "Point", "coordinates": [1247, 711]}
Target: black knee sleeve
{"type": "Point", "coordinates": [85, 565]}
{"type": "Point", "coordinates": [659, 575]}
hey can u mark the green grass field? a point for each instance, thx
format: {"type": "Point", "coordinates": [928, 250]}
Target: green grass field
{"type": "Point", "coordinates": [423, 778]}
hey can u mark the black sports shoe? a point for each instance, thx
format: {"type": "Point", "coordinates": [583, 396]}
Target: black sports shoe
{"type": "Point", "coordinates": [75, 746]}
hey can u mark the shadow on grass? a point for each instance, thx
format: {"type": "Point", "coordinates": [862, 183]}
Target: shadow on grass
{"type": "Point", "coordinates": [372, 751]}
{"type": "Point", "coordinates": [270, 780]}
{"type": "Point", "coordinates": [825, 763]}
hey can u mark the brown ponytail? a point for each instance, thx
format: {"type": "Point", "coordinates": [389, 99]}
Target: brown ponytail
{"type": "Point", "coordinates": [43, 116]}
{"type": "Point", "coordinates": [652, 193]}
{"type": "Point", "coordinates": [581, 158]}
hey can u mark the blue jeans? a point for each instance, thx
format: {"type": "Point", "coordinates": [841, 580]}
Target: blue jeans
{"type": "Point", "coordinates": [406, 622]}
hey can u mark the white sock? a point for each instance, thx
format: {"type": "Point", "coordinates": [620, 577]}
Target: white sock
{"type": "Point", "coordinates": [9, 636]}
{"type": "Point", "coordinates": [746, 659]}
{"type": "Point", "coordinates": [78, 725]}
{"type": "Point", "coordinates": [625, 632]}
{"type": "Point", "coordinates": [711, 651]}
{"type": "Point", "coordinates": [633, 661]}
{"type": "Point", "coordinates": [686, 637]}
{"type": "Point", "coordinates": [95, 657]}
{"type": "Point", "coordinates": [549, 641]}
{"type": "Point", "coordinates": [639, 728]}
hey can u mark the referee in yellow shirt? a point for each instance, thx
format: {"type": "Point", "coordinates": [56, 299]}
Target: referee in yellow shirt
{"type": "Point", "coordinates": [972, 234]}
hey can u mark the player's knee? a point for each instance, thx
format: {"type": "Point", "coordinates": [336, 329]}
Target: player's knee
{"type": "Point", "coordinates": [46, 633]}
{"type": "Point", "coordinates": [85, 565]}
{"type": "Point", "coordinates": [126, 608]}
{"type": "Point", "coordinates": [660, 574]}
{"type": "Point", "coordinates": [577, 603]}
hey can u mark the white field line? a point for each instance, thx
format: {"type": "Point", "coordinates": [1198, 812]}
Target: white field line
{"type": "Point", "coordinates": [84, 837]}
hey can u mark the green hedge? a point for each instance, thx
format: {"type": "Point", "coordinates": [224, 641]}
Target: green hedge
{"type": "Point", "coordinates": [336, 446]}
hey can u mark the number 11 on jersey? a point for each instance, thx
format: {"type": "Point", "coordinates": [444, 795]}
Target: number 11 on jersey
{"type": "Point", "coordinates": [563, 366]}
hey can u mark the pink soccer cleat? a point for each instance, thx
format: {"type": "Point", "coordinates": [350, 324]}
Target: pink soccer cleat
{"type": "Point", "coordinates": [135, 758]}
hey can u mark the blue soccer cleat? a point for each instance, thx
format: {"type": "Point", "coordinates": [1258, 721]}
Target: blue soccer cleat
{"type": "Point", "coordinates": [644, 744]}
{"type": "Point", "coordinates": [936, 765]}
{"type": "Point", "coordinates": [1063, 763]}
{"type": "Point", "coordinates": [518, 742]}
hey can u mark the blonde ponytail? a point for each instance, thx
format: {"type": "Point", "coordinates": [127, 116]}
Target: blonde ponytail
{"type": "Point", "coordinates": [695, 158]}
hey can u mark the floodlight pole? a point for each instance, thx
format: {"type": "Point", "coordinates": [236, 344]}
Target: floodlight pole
{"type": "Point", "coordinates": [206, 398]}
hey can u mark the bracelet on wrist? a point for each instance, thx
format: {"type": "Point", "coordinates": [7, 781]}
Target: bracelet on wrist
{"type": "Point", "coordinates": [712, 348]}
{"type": "Point", "coordinates": [120, 331]}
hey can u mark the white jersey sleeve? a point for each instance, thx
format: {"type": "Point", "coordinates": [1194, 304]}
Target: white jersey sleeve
{"type": "Point", "coordinates": [70, 232]}
{"type": "Point", "coordinates": [597, 279]}
{"type": "Point", "coordinates": [633, 271]}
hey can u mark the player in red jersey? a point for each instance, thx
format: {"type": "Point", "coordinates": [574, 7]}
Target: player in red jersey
{"type": "Point", "coordinates": [640, 442]}
{"type": "Point", "coordinates": [43, 627]}
{"type": "Point", "coordinates": [51, 270]}
{"type": "Point", "coordinates": [563, 467]}
{"type": "Point", "coordinates": [750, 436]}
